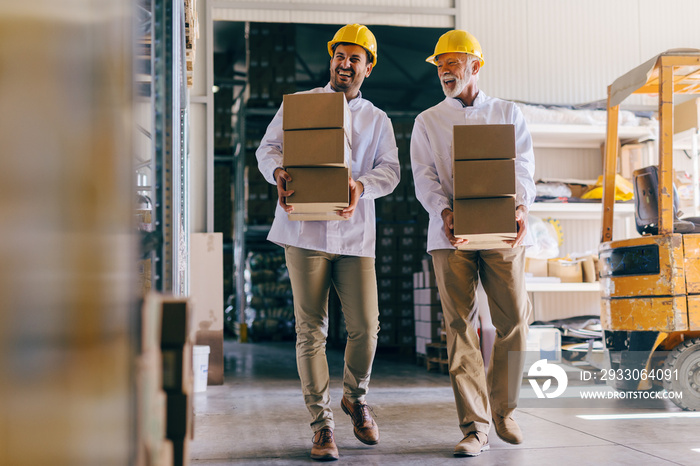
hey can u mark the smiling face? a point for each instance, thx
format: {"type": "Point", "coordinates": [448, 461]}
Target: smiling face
{"type": "Point", "coordinates": [455, 73]}
{"type": "Point", "coordinates": [349, 68]}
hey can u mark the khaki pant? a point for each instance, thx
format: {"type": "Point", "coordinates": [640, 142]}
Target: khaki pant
{"type": "Point", "coordinates": [502, 275]}
{"type": "Point", "coordinates": [311, 274]}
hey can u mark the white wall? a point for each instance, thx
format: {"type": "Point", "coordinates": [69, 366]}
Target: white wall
{"type": "Point", "coordinates": [201, 110]}
{"type": "Point", "coordinates": [569, 51]}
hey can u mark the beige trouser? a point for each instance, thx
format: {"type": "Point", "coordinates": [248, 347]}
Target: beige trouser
{"type": "Point", "coordinates": [311, 274]}
{"type": "Point", "coordinates": [502, 275]}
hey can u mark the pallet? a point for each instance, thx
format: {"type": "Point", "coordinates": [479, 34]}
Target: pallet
{"type": "Point", "coordinates": [436, 359]}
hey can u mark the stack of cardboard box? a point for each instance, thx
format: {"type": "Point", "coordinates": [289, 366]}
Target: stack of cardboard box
{"type": "Point", "coordinates": [224, 115]}
{"type": "Point", "coordinates": [317, 154]}
{"type": "Point", "coordinates": [484, 185]}
{"type": "Point", "coordinates": [566, 269]}
{"type": "Point", "coordinates": [400, 248]}
{"type": "Point", "coordinates": [427, 308]}
{"type": "Point", "coordinates": [272, 63]}
{"type": "Point", "coordinates": [176, 349]}
{"type": "Point", "coordinates": [401, 205]}
{"type": "Point", "coordinates": [152, 447]}
{"type": "Point", "coordinates": [191, 36]}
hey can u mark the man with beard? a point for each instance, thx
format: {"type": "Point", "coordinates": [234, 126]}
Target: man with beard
{"type": "Point", "coordinates": [338, 252]}
{"type": "Point", "coordinates": [459, 58]}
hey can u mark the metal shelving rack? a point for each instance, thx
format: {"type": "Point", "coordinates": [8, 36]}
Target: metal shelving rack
{"type": "Point", "coordinates": [163, 174]}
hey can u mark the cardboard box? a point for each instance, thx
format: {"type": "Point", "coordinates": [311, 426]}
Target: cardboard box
{"type": "Point", "coordinates": [478, 142]}
{"type": "Point", "coordinates": [420, 345]}
{"type": "Point", "coordinates": [686, 116]}
{"type": "Point", "coordinates": [318, 189]}
{"type": "Point", "coordinates": [483, 178]}
{"type": "Point", "coordinates": [151, 317]}
{"type": "Point", "coordinates": [207, 294]}
{"type": "Point", "coordinates": [486, 242]}
{"type": "Point", "coordinates": [176, 324]}
{"type": "Point", "coordinates": [429, 330]}
{"type": "Point", "coordinates": [425, 313]}
{"type": "Point", "coordinates": [537, 267]}
{"type": "Point", "coordinates": [485, 220]}
{"type": "Point", "coordinates": [315, 216]}
{"type": "Point", "coordinates": [578, 189]}
{"type": "Point", "coordinates": [631, 158]}
{"type": "Point", "coordinates": [569, 271]}
{"type": "Point", "coordinates": [177, 369]}
{"type": "Point", "coordinates": [388, 311]}
{"type": "Point", "coordinates": [418, 281]}
{"type": "Point", "coordinates": [589, 269]}
{"type": "Point", "coordinates": [426, 296]}
{"type": "Point", "coordinates": [317, 111]}
{"type": "Point", "coordinates": [316, 148]}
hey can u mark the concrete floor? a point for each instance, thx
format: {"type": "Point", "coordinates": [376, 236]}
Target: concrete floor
{"type": "Point", "coordinates": [258, 417]}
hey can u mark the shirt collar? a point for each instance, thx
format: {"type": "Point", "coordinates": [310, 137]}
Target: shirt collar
{"type": "Point", "coordinates": [478, 101]}
{"type": "Point", "coordinates": [328, 88]}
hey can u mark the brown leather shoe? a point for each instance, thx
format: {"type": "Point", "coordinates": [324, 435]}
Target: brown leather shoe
{"type": "Point", "coordinates": [366, 429]}
{"type": "Point", "coordinates": [472, 445]}
{"type": "Point", "coordinates": [507, 429]}
{"type": "Point", "coordinates": [324, 448]}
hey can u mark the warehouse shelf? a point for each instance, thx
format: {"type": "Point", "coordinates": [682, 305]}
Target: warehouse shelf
{"type": "Point", "coordinates": [160, 166]}
{"type": "Point", "coordinates": [562, 287]}
{"type": "Point", "coordinates": [578, 211]}
{"type": "Point", "coordinates": [583, 136]}
{"type": "Point", "coordinates": [578, 219]}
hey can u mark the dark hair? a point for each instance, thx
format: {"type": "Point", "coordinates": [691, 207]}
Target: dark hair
{"type": "Point", "coordinates": [369, 55]}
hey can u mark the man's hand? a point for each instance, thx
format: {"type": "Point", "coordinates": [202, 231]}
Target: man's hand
{"type": "Point", "coordinates": [521, 219]}
{"type": "Point", "coordinates": [356, 190]}
{"type": "Point", "coordinates": [281, 177]}
{"type": "Point", "coordinates": [448, 222]}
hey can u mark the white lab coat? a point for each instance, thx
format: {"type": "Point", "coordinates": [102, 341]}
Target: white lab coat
{"type": "Point", "coordinates": [431, 156]}
{"type": "Point", "coordinates": [375, 163]}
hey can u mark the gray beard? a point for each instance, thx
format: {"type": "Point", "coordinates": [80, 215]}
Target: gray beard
{"type": "Point", "coordinates": [460, 84]}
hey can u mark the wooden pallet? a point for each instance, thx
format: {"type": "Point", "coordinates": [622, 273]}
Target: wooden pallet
{"type": "Point", "coordinates": [436, 357]}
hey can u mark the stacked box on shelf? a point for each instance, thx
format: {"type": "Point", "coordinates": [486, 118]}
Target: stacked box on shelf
{"type": "Point", "coordinates": [409, 257]}
{"type": "Point", "coordinates": [151, 442]}
{"type": "Point", "coordinates": [260, 196]}
{"type": "Point", "coordinates": [176, 349]}
{"type": "Point", "coordinates": [401, 205]}
{"type": "Point", "coordinates": [317, 154]}
{"type": "Point", "coordinates": [484, 184]}
{"type": "Point", "coordinates": [269, 296]}
{"type": "Point", "coordinates": [223, 200]}
{"type": "Point", "coordinates": [399, 254]}
{"type": "Point", "coordinates": [191, 36]}
{"type": "Point", "coordinates": [272, 64]}
{"type": "Point", "coordinates": [388, 311]}
{"type": "Point", "coordinates": [427, 309]}
{"type": "Point", "coordinates": [223, 114]}
{"type": "Point", "coordinates": [385, 263]}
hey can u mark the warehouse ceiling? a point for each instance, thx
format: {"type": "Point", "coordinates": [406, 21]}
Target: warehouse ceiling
{"type": "Point", "coordinates": [402, 83]}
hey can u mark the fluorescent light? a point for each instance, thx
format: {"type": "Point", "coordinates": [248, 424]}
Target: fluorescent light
{"type": "Point", "coordinates": [605, 417]}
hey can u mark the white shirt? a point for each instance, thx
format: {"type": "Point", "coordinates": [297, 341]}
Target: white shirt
{"type": "Point", "coordinates": [431, 156]}
{"type": "Point", "coordinates": [375, 163]}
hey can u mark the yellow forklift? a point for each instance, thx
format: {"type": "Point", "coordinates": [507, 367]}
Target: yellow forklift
{"type": "Point", "coordinates": [650, 285]}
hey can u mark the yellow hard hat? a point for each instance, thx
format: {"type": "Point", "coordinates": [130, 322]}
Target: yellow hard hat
{"type": "Point", "coordinates": [457, 41]}
{"type": "Point", "coordinates": [356, 34]}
